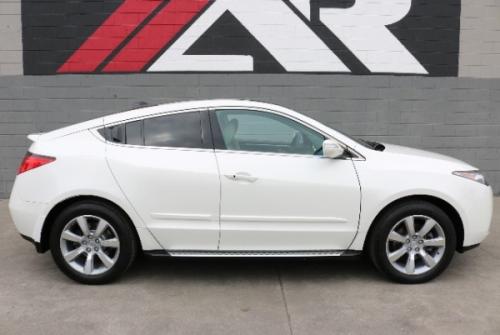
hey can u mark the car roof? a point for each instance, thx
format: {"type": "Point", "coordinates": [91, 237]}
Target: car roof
{"type": "Point", "coordinates": [159, 109]}
{"type": "Point", "coordinates": [206, 104]}
{"type": "Point", "coordinates": [186, 106]}
{"type": "Point", "coordinates": [190, 105]}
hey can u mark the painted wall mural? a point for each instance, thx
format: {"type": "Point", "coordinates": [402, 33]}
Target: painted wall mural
{"type": "Point", "coordinates": [265, 36]}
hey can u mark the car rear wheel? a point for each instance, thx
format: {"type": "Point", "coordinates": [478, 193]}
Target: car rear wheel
{"type": "Point", "coordinates": [413, 242]}
{"type": "Point", "coordinates": [92, 243]}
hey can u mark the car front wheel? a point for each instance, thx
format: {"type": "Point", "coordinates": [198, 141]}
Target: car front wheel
{"type": "Point", "coordinates": [413, 242]}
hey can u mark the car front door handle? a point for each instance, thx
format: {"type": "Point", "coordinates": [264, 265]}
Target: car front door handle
{"type": "Point", "coordinates": [241, 176]}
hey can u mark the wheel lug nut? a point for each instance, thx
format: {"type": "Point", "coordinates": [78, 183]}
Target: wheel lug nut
{"type": "Point", "coordinates": [97, 240]}
{"type": "Point", "coordinates": [409, 249]}
{"type": "Point", "coordinates": [417, 249]}
{"type": "Point", "coordinates": [408, 241]}
{"type": "Point", "coordinates": [96, 249]}
{"type": "Point", "coordinates": [89, 250]}
{"type": "Point", "coordinates": [414, 237]}
{"type": "Point", "coordinates": [421, 241]}
{"type": "Point", "coordinates": [84, 242]}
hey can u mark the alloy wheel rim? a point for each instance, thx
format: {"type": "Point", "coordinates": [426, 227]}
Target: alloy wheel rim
{"type": "Point", "coordinates": [415, 245]}
{"type": "Point", "coordinates": [90, 245]}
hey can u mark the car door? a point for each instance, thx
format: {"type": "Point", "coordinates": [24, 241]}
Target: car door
{"type": "Point", "coordinates": [277, 191]}
{"type": "Point", "coordinates": [166, 167]}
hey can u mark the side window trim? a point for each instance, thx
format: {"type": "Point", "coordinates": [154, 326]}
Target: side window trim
{"type": "Point", "coordinates": [217, 139]}
{"type": "Point", "coordinates": [205, 130]}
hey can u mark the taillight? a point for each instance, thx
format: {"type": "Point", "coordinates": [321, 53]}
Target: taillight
{"type": "Point", "coordinates": [32, 161]}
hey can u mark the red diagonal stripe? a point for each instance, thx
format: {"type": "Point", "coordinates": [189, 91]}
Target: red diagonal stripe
{"type": "Point", "coordinates": [155, 35]}
{"type": "Point", "coordinates": [109, 35]}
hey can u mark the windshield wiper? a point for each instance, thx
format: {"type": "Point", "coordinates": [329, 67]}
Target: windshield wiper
{"type": "Point", "coordinates": [373, 145]}
{"type": "Point", "coordinates": [376, 146]}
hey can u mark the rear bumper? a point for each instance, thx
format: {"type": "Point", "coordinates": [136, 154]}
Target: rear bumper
{"type": "Point", "coordinates": [37, 245]}
{"type": "Point", "coordinates": [28, 217]}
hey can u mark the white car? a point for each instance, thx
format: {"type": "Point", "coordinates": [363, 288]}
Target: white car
{"type": "Point", "coordinates": [232, 178]}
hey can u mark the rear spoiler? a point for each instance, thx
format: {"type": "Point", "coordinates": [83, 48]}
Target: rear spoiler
{"type": "Point", "coordinates": [34, 137]}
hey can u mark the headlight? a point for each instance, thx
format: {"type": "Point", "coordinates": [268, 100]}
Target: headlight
{"type": "Point", "coordinates": [472, 175]}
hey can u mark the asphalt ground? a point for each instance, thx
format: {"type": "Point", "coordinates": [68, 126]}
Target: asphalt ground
{"type": "Point", "coordinates": [247, 296]}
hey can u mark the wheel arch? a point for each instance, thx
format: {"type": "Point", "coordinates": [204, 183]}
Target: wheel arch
{"type": "Point", "coordinates": [442, 204]}
{"type": "Point", "coordinates": [59, 207]}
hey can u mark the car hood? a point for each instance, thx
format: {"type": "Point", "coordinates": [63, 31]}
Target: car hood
{"type": "Point", "coordinates": [411, 155]}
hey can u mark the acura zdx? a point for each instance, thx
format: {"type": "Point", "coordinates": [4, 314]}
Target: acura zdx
{"type": "Point", "coordinates": [232, 178]}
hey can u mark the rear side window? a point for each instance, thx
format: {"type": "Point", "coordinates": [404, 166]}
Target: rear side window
{"type": "Point", "coordinates": [183, 130]}
{"type": "Point", "coordinates": [133, 133]}
{"type": "Point", "coordinates": [177, 130]}
{"type": "Point", "coordinates": [129, 133]}
{"type": "Point", "coordinates": [115, 134]}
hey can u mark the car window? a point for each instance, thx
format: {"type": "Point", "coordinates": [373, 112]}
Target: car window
{"type": "Point", "coordinates": [117, 134]}
{"type": "Point", "coordinates": [182, 130]}
{"type": "Point", "coordinates": [248, 130]}
{"type": "Point", "coordinates": [133, 133]}
{"type": "Point", "coordinates": [176, 130]}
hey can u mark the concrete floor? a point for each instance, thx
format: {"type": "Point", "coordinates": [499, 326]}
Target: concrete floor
{"type": "Point", "coordinates": [166, 296]}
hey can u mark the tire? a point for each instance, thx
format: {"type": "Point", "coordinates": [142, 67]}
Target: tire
{"type": "Point", "coordinates": [99, 255]}
{"type": "Point", "coordinates": [430, 253]}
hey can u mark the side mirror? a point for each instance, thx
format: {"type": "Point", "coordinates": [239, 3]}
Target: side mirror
{"type": "Point", "coordinates": [332, 149]}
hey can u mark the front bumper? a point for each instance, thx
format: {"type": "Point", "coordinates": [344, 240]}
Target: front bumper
{"type": "Point", "coordinates": [470, 247]}
{"type": "Point", "coordinates": [477, 206]}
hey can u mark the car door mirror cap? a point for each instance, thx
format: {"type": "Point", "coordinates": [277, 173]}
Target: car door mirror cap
{"type": "Point", "coordinates": [332, 149]}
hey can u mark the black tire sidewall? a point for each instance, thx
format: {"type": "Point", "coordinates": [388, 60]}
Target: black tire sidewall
{"type": "Point", "coordinates": [385, 224]}
{"type": "Point", "coordinates": [116, 219]}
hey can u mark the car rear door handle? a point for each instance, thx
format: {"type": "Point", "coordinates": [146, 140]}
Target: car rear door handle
{"type": "Point", "coordinates": [241, 176]}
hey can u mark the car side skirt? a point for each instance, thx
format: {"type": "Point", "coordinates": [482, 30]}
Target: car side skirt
{"type": "Point", "coordinates": [252, 253]}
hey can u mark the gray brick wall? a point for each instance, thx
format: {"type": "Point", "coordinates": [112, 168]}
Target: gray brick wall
{"type": "Point", "coordinates": [458, 117]}
{"type": "Point", "coordinates": [11, 50]}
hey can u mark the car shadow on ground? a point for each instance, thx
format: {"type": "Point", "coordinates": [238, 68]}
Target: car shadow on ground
{"type": "Point", "coordinates": [208, 269]}
{"type": "Point", "coordinates": [334, 270]}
